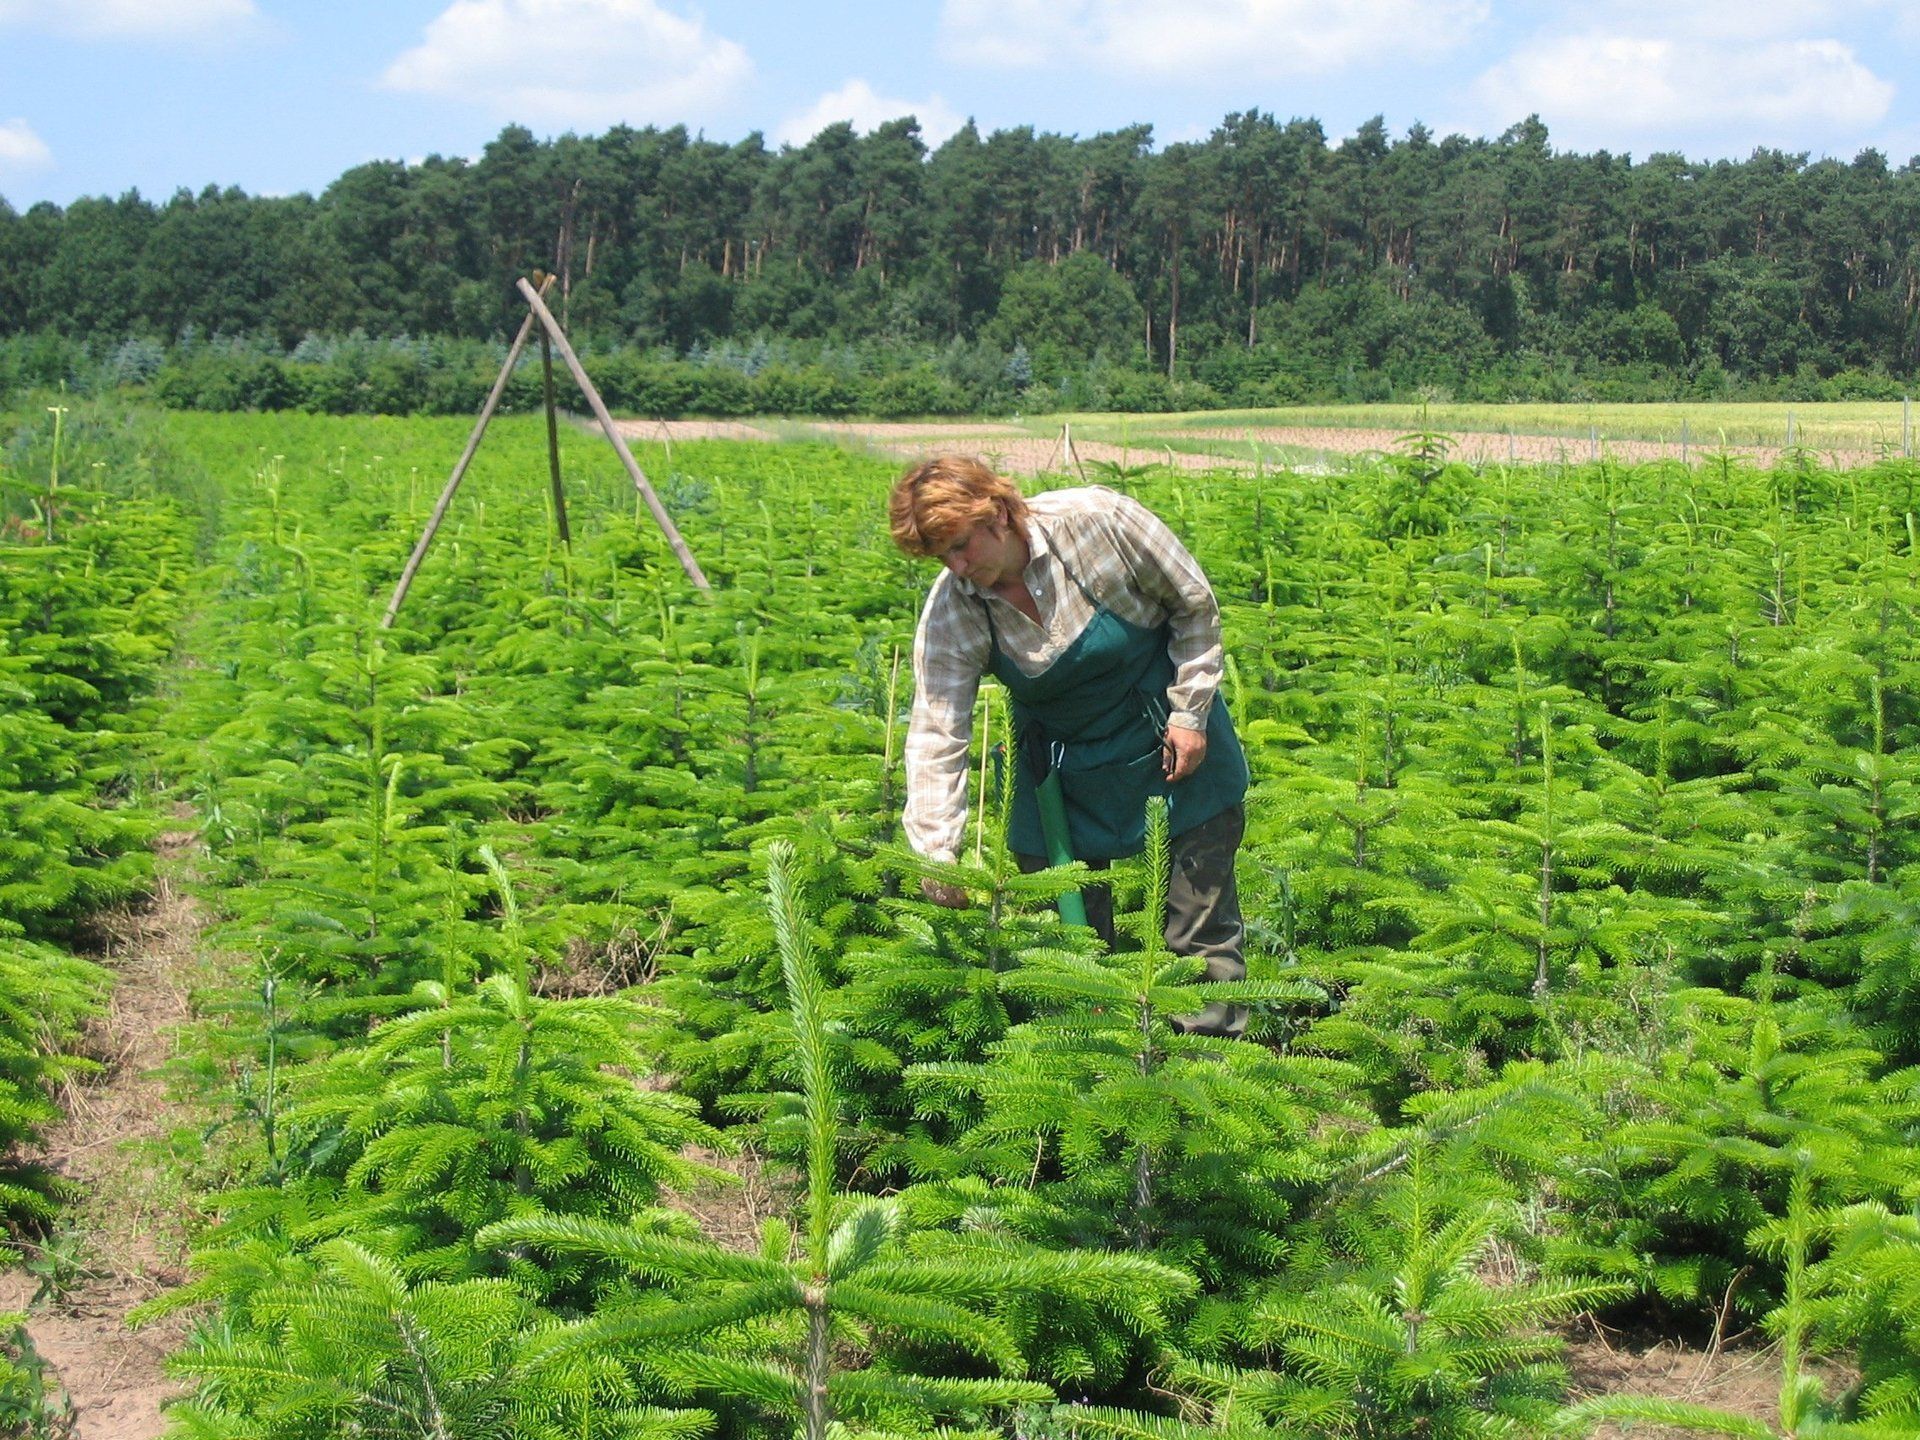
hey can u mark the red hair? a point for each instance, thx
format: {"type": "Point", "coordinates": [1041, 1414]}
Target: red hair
{"type": "Point", "coordinates": [940, 497]}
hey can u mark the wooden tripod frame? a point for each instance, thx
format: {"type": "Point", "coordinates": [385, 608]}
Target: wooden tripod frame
{"type": "Point", "coordinates": [551, 337]}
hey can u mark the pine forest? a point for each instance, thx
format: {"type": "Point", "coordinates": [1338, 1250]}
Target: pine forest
{"type": "Point", "coordinates": [551, 921]}
{"type": "Point", "coordinates": [1266, 263]}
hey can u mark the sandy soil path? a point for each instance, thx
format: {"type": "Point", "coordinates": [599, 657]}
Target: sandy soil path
{"type": "Point", "coordinates": [127, 1220]}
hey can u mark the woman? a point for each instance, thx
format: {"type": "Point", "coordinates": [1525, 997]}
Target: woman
{"type": "Point", "coordinates": [1107, 636]}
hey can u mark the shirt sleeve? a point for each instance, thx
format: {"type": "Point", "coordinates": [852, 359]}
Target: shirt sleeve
{"type": "Point", "coordinates": [1162, 569]}
{"type": "Point", "coordinates": [951, 650]}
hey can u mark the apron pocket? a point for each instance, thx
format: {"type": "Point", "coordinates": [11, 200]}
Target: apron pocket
{"type": "Point", "coordinates": [1107, 805]}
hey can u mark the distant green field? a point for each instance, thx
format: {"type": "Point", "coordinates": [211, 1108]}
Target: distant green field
{"type": "Point", "coordinates": [1850, 425]}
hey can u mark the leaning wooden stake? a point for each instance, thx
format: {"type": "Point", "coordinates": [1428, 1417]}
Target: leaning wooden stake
{"type": "Point", "coordinates": [1046, 465]}
{"type": "Point", "coordinates": [459, 470]}
{"type": "Point", "coordinates": [553, 441]}
{"type": "Point", "coordinates": [661, 518]}
{"type": "Point", "coordinates": [1066, 441]}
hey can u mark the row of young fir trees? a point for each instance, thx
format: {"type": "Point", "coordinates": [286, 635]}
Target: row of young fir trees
{"type": "Point", "coordinates": [93, 574]}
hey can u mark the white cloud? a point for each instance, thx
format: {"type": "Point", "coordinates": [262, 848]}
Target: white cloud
{"type": "Point", "coordinates": [857, 103]}
{"type": "Point", "coordinates": [1204, 40]}
{"type": "Point", "coordinates": [584, 63]}
{"type": "Point", "coordinates": [21, 149]}
{"type": "Point", "coordinates": [128, 19]}
{"type": "Point", "coordinates": [1608, 88]}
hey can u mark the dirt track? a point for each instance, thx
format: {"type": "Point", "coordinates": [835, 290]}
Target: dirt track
{"type": "Point", "coordinates": [127, 1225]}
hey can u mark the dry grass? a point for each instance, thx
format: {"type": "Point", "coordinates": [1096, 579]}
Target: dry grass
{"type": "Point", "coordinates": [1742, 1379]}
{"type": "Point", "coordinates": [731, 1213]}
{"type": "Point", "coordinates": [621, 961]}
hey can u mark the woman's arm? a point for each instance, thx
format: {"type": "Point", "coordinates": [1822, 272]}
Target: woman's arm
{"type": "Point", "coordinates": [1160, 568]}
{"type": "Point", "coordinates": [951, 650]}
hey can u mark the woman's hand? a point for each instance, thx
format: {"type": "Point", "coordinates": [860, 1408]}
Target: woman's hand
{"type": "Point", "coordinates": [951, 896]}
{"type": "Point", "coordinates": [1182, 752]}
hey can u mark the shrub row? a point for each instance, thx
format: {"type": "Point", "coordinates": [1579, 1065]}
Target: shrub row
{"type": "Point", "coordinates": [404, 384]}
{"type": "Point", "coordinates": [362, 376]}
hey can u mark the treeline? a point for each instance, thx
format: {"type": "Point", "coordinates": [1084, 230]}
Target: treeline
{"type": "Point", "coordinates": [1264, 264]}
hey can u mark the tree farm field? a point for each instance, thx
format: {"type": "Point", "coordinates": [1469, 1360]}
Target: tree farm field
{"type": "Point", "coordinates": [1580, 879]}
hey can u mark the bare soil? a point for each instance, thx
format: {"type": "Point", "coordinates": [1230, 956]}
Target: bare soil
{"type": "Point", "coordinates": [901, 431]}
{"type": "Point", "coordinates": [859, 431]}
{"type": "Point", "coordinates": [1474, 446]}
{"type": "Point", "coordinates": [654, 431]}
{"type": "Point", "coordinates": [1012, 449]}
{"type": "Point", "coordinates": [126, 1227]}
{"type": "Point", "coordinates": [731, 1213]}
{"type": "Point", "coordinates": [1009, 448]}
{"type": "Point", "coordinates": [1742, 1378]}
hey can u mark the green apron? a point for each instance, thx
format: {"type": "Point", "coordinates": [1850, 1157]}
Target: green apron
{"type": "Point", "coordinates": [1098, 713]}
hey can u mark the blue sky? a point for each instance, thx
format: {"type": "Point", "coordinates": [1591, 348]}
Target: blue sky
{"type": "Point", "coordinates": [101, 96]}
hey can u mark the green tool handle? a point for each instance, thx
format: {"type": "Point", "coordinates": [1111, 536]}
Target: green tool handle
{"type": "Point", "coordinates": [1053, 828]}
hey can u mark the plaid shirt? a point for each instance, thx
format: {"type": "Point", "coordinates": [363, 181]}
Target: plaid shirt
{"type": "Point", "coordinates": [1126, 557]}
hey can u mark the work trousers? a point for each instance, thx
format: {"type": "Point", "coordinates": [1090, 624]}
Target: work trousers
{"type": "Point", "coordinates": [1203, 912]}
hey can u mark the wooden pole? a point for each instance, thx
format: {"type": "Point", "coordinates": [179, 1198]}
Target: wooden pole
{"type": "Point", "coordinates": [53, 470]}
{"type": "Point", "coordinates": [553, 442]}
{"type": "Point", "coordinates": [459, 470]}
{"type": "Point", "coordinates": [1044, 464]}
{"type": "Point", "coordinates": [599, 406]}
{"type": "Point", "coordinates": [1066, 440]}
